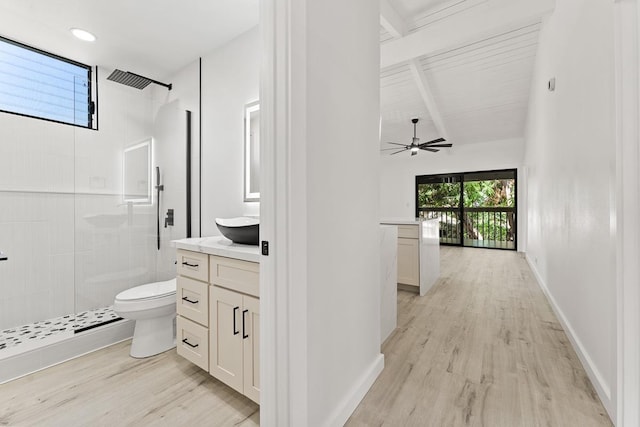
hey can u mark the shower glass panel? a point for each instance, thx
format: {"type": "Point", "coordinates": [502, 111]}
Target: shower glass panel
{"type": "Point", "coordinates": [169, 134]}
{"type": "Point", "coordinates": [73, 239]}
{"type": "Point", "coordinates": [113, 232]}
{"type": "Point", "coordinates": [36, 230]}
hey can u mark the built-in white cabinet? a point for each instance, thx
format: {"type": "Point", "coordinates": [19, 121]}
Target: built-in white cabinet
{"type": "Point", "coordinates": [234, 319]}
{"type": "Point", "coordinates": [192, 306]}
{"type": "Point", "coordinates": [218, 322]}
{"type": "Point", "coordinates": [418, 253]}
{"type": "Point", "coordinates": [234, 351]}
{"type": "Point", "coordinates": [408, 255]}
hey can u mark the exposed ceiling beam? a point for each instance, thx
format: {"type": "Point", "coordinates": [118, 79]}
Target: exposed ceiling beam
{"type": "Point", "coordinates": [391, 20]}
{"type": "Point", "coordinates": [497, 17]}
{"type": "Point", "coordinates": [427, 96]}
{"type": "Point", "coordinates": [397, 27]}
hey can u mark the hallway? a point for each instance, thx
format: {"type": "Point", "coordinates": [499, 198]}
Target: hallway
{"type": "Point", "coordinates": [482, 348]}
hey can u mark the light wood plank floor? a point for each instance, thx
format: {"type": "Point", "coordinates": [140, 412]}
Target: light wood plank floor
{"type": "Point", "coordinates": [482, 348]}
{"type": "Point", "coordinates": [109, 388]}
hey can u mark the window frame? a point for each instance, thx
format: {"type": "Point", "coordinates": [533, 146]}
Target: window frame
{"type": "Point", "coordinates": [91, 104]}
{"type": "Point", "coordinates": [460, 177]}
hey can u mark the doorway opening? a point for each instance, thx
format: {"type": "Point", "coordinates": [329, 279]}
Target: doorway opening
{"type": "Point", "coordinates": [475, 209]}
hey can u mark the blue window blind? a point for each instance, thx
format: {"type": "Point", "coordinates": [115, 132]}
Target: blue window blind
{"type": "Point", "coordinates": [38, 84]}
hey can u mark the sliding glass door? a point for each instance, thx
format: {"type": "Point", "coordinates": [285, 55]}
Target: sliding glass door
{"type": "Point", "coordinates": [476, 209]}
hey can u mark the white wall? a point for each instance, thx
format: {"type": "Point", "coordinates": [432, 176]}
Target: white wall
{"type": "Point", "coordinates": [340, 171]}
{"type": "Point", "coordinates": [570, 161]}
{"type": "Point", "coordinates": [230, 79]}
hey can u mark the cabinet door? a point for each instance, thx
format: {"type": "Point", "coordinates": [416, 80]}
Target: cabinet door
{"type": "Point", "coordinates": [225, 325]}
{"type": "Point", "coordinates": [251, 343]}
{"type": "Point", "coordinates": [408, 262]}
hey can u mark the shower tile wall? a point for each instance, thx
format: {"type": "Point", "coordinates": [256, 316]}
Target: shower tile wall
{"type": "Point", "coordinates": [114, 249]}
{"type": "Point", "coordinates": [72, 244]}
{"type": "Point", "coordinates": [36, 232]}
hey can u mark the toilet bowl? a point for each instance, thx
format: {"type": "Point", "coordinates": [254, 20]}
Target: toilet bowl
{"type": "Point", "coordinates": [153, 307]}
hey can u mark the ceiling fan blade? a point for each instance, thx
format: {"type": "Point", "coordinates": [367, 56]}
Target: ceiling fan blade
{"type": "Point", "coordinates": [433, 150]}
{"type": "Point", "coordinates": [394, 148]}
{"type": "Point", "coordinates": [434, 141]}
{"type": "Point", "coordinates": [395, 143]}
{"type": "Point", "coordinates": [440, 145]}
{"type": "Point", "coordinates": [399, 151]}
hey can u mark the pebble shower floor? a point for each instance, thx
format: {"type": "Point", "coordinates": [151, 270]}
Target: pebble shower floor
{"type": "Point", "coordinates": [27, 335]}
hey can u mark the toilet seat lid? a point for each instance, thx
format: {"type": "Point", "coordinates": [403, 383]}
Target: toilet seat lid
{"type": "Point", "coordinates": [148, 291]}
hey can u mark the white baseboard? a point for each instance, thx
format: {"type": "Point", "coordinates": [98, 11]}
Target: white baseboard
{"type": "Point", "coordinates": [36, 359]}
{"type": "Point", "coordinates": [342, 413]}
{"type": "Point", "coordinates": [602, 387]}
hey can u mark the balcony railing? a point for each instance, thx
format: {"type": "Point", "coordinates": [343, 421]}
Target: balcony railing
{"type": "Point", "coordinates": [486, 227]}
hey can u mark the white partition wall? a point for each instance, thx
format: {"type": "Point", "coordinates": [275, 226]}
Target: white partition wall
{"type": "Point", "coordinates": [320, 210]}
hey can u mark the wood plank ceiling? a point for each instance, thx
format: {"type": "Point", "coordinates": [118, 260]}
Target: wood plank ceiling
{"type": "Point", "coordinates": [473, 89]}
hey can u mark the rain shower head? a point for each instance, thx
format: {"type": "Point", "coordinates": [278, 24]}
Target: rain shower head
{"type": "Point", "coordinates": [134, 80]}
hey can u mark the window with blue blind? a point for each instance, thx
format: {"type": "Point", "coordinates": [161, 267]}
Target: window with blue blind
{"type": "Point", "coordinates": [38, 84]}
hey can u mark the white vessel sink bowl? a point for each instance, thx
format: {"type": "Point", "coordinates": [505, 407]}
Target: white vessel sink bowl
{"type": "Point", "coordinates": [243, 230]}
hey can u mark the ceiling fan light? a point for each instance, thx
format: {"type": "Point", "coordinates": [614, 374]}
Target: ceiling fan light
{"type": "Point", "coordinates": [414, 151]}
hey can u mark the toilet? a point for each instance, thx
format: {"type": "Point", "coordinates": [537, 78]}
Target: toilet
{"type": "Point", "coordinates": [153, 307]}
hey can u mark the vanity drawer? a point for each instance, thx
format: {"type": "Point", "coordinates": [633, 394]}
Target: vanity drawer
{"type": "Point", "coordinates": [193, 300]}
{"type": "Point", "coordinates": [234, 274]}
{"type": "Point", "coordinates": [192, 342]}
{"type": "Point", "coordinates": [408, 231]}
{"type": "Point", "coordinates": [193, 264]}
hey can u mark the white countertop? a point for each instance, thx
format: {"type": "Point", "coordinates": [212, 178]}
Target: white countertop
{"type": "Point", "coordinates": [404, 221]}
{"type": "Point", "coordinates": [219, 245]}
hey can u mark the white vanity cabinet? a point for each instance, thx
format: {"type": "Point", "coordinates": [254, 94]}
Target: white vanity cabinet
{"type": "Point", "coordinates": [218, 322]}
{"type": "Point", "coordinates": [192, 321]}
{"type": "Point", "coordinates": [235, 324]}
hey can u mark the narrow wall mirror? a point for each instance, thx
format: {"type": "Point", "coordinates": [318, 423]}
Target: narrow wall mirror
{"type": "Point", "coordinates": [252, 152]}
{"type": "Point", "coordinates": [136, 173]}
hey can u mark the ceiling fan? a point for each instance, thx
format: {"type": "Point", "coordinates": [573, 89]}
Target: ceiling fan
{"type": "Point", "coordinates": [415, 144]}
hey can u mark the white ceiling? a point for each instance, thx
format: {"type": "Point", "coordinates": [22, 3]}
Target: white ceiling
{"type": "Point", "coordinates": [464, 67]}
{"type": "Point", "coordinates": [155, 38]}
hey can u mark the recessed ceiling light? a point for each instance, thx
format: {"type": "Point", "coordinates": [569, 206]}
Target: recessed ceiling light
{"type": "Point", "coordinates": [83, 34]}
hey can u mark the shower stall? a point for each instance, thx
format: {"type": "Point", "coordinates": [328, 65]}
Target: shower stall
{"type": "Point", "coordinates": [79, 222]}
